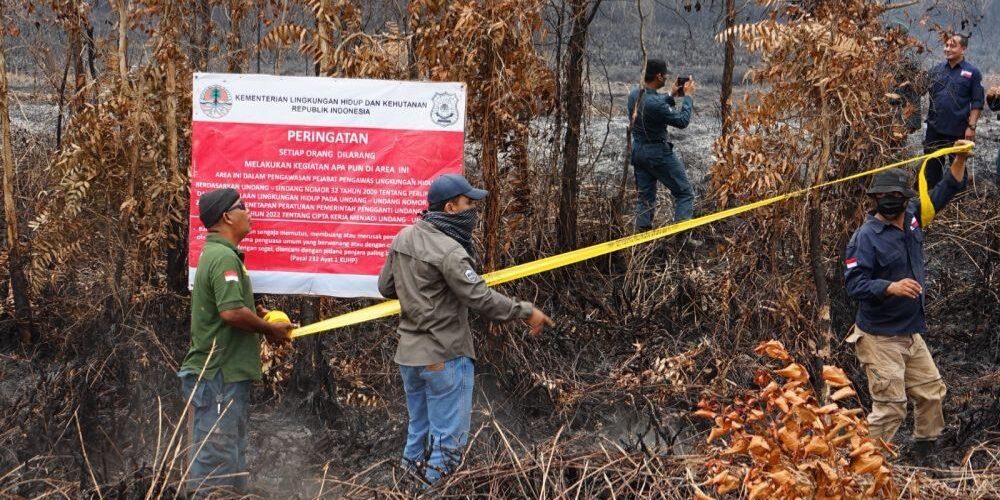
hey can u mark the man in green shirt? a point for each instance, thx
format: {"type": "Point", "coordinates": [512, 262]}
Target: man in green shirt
{"type": "Point", "coordinates": [224, 358]}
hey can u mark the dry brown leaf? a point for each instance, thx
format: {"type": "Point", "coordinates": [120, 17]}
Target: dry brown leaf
{"type": "Point", "coordinates": [844, 392]}
{"type": "Point", "coordinates": [758, 446]}
{"type": "Point", "coordinates": [782, 404]}
{"type": "Point", "coordinates": [782, 478]}
{"type": "Point", "coordinates": [829, 472]}
{"type": "Point", "coordinates": [739, 446]}
{"type": "Point", "coordinates": [773, 349]}
{"type": "Point", "coordinates": [817, 446]}
{"type": "Point", "coordinates": [770, 389]}
{"type": "Point", "coordinates": [705, 414]}
{"type": "Point", "coordinates": [794, 371]}
{"type": "Point", "coordinates": [830, 408]}
{"type": "Point", "coordinates": [700, 495]}
{"type": "Point", "coordinates": [760, 490]}
{"type": "Point", "coordinates": [789, 439]}
{"type": "Point", "coordinates": [865, 464]}
{"type": "Point", "coordinates": [835, 376]}
{"type": "Point", "coordinates": [867, 447]}
{"type": "Point", "coordinates": [716, 433]}
{"type": "Point", "coordinates": [835, 432]}
{"type": "Point", "coordinates": [761, 378]}
{"type": "Point", "coordinates": [724, 482]}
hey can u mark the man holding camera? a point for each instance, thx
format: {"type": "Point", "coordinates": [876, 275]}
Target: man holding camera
{"type": "Point", "coordinates": [653, 156]}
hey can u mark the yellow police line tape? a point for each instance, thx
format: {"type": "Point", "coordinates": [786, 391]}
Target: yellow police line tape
{"type": "Point", "coordinates": [390, 308]}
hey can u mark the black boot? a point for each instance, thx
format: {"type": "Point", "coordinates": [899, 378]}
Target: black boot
{"type": "Point", "coordinates": [924, 454]}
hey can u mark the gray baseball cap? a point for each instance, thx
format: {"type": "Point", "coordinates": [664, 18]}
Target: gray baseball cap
{"type": "Point", "coordinates": [448, 186]}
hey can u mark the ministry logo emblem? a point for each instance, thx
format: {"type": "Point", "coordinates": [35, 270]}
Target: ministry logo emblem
{"type": "Point", "coordinates": [444, 112]}
{"type": "Point", "coordinates": [215, 101]}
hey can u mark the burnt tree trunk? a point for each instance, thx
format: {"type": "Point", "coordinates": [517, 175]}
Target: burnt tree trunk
{"type": "Point", "coordinates": [557, 122]}
{"type": "Point", "coordinates": [492, 219]}
{"type": "Point", "coordinates": [177, 263]}
{"type": "Point", "coordinates": [725, 99]}
{"type": "Point", "coordinates": [15, 258]}
{"type": "Point", "coordinates": [236, 57]}
{"type": "Point", "coordinates": [569, 181]}
{"type": "Point", "coordinates": [201, 36]}
{"type": "Point", "coordinates": [816, 254]}
{"type": "Point", "coordinates": [75, 35]}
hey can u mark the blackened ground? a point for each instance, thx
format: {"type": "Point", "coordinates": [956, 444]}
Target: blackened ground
{"type": "Point", "coordinates": [111, 384]}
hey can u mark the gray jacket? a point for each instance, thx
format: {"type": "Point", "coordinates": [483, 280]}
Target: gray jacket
{"type": "Point", "coordinates": [436, 284]}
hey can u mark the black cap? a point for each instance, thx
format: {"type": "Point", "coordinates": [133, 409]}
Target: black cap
{"type": "Point", "coordinates": [449, 186]}
{"type": "Point", "coordinates": [213, 204]}
{"type": "Point", "coordinates": [893, 180]}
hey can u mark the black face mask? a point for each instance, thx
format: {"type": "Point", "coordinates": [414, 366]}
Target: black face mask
{"type": "Point", "coordinates": [889, 207]}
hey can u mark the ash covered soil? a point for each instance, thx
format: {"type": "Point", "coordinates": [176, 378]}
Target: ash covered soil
{"type": "Point", "coordinates": [298, 439]}
{"type": "Point", "coordinates": [963, 339]}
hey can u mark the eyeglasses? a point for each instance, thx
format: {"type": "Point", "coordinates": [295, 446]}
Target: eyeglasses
{"type": "Point", "coordinates": [238, 206]}
{"type": "Point", "coordinates": [893, 194]}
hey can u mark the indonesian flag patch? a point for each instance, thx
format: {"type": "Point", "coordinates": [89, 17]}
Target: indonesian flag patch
{"type": "Point", "coordinates": [914, 224]}
{"type": "Point", "coordinates": [966, 74]}
{"type": "Point", "coordinates": [851, 263]}
{"type": "Point", "coordinates": [231, 276]}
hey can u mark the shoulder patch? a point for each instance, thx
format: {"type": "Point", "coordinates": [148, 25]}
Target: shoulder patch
{"type": "Point", "coordinates": [231, 276]}
{"type": "Point", "coordinates": [471, 276]}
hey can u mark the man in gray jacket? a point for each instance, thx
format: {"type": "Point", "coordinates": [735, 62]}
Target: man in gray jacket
{"type": "Point", "coordinates": [431, 269]}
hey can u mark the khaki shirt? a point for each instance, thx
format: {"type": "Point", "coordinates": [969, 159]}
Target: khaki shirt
{"type": "Point", "coordinates": [434, 279]}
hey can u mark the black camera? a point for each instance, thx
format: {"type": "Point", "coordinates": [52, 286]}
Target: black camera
{"type": "Point", "coordinates": [681, 81]}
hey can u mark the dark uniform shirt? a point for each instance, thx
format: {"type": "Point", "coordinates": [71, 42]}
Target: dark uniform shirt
{"type": "Point", "coordinates": [655, 113]}
{"type": "Point", "coordinates": [221, 283]}
{"type": "Point", "coordinates": [879, 254]}
{"type": "Point", "coordinates": [954, 93]}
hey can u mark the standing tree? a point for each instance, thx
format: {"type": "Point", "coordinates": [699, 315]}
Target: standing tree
{"type": "Point", "coordinates": [15, 261]}
{"type": "Point", "coordinates": [583, 12]}
{"type": "Point", "coordinates": [824, 114]}
{"type": "Point", "coordinates": [489, 45]}
{"type": "Point", "coordinates": [725, 98]}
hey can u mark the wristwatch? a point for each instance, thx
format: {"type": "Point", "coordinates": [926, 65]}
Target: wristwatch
{"type": "Point", "coordinates": [973, 127]}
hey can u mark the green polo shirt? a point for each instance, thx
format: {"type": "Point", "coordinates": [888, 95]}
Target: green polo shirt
{"type": "Point", "coordinates": [221, 283]}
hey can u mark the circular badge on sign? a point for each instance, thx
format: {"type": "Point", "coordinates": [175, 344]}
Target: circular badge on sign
{"type": "Point", "coordinates": [215, 101]}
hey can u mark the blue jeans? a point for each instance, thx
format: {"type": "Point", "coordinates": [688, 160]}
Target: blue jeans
{"type": "Point", "coordinates": [657, 162]}
{"type": "Point", "coordinates": [440, 406]}
{"type": "Point", "coordinates": [218, 446]}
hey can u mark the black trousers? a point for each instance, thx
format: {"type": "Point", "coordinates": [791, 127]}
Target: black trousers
{"type": "Point", "coordinates": [933, 141]}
